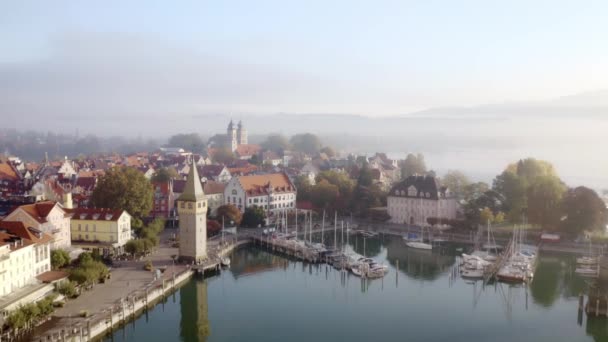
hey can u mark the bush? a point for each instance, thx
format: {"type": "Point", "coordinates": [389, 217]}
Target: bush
{"type": "Point", "coordinates": [89, 271]}
{"type": "Point", "coordinates": [59, 258]}
{"type": "Point", "coordinates": [68, 289]}
{"type": "Point", "coordinates": [148, 266]}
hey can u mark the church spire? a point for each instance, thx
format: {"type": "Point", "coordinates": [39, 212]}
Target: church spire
{"type": "Point", "coordinates": [193, 189]}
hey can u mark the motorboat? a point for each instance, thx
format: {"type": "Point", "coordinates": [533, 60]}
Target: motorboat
{"type": "Point", "coordinates": [471, 273]}
{"type": "Point", "coordinates": [587, 261]}
{"type": "Point", "coordinates": [225, 261]}
{"type": "Point", "coordinates": [356, 271]}
{"type": "Point", "coordinates": [419, 245]}
{"type": "Point", "coordinates": [587, 271]}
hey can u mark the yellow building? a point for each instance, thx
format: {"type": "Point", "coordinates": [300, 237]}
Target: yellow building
{"type": "Point", "coordinates": [104, 230]}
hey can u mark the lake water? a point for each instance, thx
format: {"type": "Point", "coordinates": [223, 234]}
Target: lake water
{"type": "Point", "coordinates": [265, 297]}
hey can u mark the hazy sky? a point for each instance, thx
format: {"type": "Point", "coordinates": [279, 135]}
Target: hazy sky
{"type": "Point", "coordinates": [75, 58]}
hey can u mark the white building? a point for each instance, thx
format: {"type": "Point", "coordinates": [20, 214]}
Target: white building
{"type": "Point", "coordinates": [272, 192]}
{"type": "Point", "coordinates": [192, 211]}
{"type": "Point", "coordinates": [24, 254]}
{"type": "Point", "coordinates": [417, 198]}
{"type": "Point", "coordinates": [48, 217]}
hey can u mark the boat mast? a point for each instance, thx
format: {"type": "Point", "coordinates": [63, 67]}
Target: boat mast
{"type": "Point", "coordinates": [310, 226]}
{"type": "Point", "coordinates": [323, 228]}
{"type": "Point", "coordinates": [296, 223]}
{"type": "Point", "coordinates": [342, 236]}
{"type": "Point", "coordinates": [335, 230]}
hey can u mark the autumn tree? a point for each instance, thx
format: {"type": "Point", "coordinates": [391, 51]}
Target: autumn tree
{"type": "Point", "coordinates": [124, 188]}
{"type": "Point", "coordinates": [229, 213]}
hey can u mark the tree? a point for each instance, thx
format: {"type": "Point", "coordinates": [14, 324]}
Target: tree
{"type": "Point", "coordinates": [219, 141]}
{"type": "Point", "coordinates": [134, 247]}
{"type": "Point", "coordinates": [475, 190]}
{"type": "Point", "coordinates": [584, 211]}
{"type": "Point", "coordinates": [229, 213]}
{"type": "Point", "coordinates": [544, 201]}
{"type": "Point", "coordinates": [213, 228]}
{"type": "Point", "coordinates": [306, 143]}
{"type": "Point", "coordinates": [457, 182]}
{"type": "Point", "coordinates": [413, 164]}
{"type": "Point", "coordinates": [304, 187]}
{"type": "Point", "coordinates": [345, 185]}
{"type": "Point", "coordinates": [515, 181]}
{"type": "Point", "coordinates": [224, 155]}
{"type": "Point", "coordinates": [124, 188]}
{"type": "Point", "coordinates": [254, 216]}
{"type": "Point", "coordinates": [366, 195]}
{"type": "Point", "coordinates": [59, 258]}
{"type": "Point", "coordinates": [191, 141]}
{"type": "Point", "coordinates": [328, 151]}
{"type": "Point", "coordinates": [491, 200]}
{"type": "Point", "coordinates": [164, 174]}
{"type": "Point", "coordinates": [486, 215]}
{"type": "Point", "coordinates": [276, 143]}
{"type": "Point", "coordinates": [323, 194]}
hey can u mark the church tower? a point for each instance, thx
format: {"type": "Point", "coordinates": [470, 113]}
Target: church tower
{"type": "Point", "coordinates": [232, 136]}
{"type": "Point", "coordinates": [241, 134]}
{"type": "Point", "coordinates": [192, 211]}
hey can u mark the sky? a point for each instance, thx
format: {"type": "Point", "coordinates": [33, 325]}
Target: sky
{"type": "Point", "coordinates": [375, 58]}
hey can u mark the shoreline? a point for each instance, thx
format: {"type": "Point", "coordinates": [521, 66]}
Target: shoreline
{"type": "Point", "coordinates": [97, 325]}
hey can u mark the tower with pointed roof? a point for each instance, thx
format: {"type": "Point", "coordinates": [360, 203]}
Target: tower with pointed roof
{"type": "Point", "coordinates": [232, 136]}
{"type": "Point", "coordinates": [241, 134]}
{"type": "Point", "coordinates": [192, 211]}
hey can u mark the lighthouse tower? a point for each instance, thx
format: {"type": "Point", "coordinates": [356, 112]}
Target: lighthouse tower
{"type": "Point", "coordinates": [192, 211]}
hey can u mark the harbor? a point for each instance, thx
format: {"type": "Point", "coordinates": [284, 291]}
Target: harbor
{"type": "Point", "coordinates": [420, 284]}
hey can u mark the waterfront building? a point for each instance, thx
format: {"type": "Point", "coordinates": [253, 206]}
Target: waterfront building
{"type": "Point", "coordinates": [417, 198]}
{"type": "Point", "coordinates": [192, 211]}
{"type": "Point", "coordinates": [272, 192]}
{"type": "Point", "coordinates": [48, 217]}
{"type": "Point", "coordinates": [25, 253]}
{"type": "Point", "coordinates": [104, 230]}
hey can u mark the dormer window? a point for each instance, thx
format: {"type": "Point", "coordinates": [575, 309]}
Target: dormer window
{"type": "Point", "coordinates": [411, 191]}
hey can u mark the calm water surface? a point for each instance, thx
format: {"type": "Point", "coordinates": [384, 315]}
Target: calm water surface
{"type": "Point", "coordinates": [265, 297]}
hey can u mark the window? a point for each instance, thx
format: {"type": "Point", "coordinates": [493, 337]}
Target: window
{"type": "Point", "coordinates": [199, 204]}
{"type": "Point", "coordinates": [189, 205]}
{"type": "Point", "coordinates": [86, 228]}
{"type": "Point", "coordinates": [94, 228]}
{"type": "Point", "coordinates": [182, 205]}
{"type": "Point", "coordinates": [234, 191]}
{"type": "Point", "coordinates": [79, 227]}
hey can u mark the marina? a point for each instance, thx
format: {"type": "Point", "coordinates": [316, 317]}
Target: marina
{"type": "Point", "coordinates": [420, 286]}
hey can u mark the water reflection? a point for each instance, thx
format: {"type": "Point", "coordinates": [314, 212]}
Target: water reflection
{"type": "Point", "coordinates": [194, 322]}
{"type": "Point", "coordinates": [417, 263]}
{"type": "Point", "coordinates": [256, 260]}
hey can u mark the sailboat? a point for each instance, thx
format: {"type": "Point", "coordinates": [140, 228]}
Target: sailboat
{"type": "Point", "coordinates": [225, 261]}
{"type": "Point", "coordinates": [489, 250]}
{"type": "Point", "coordinates": [413, 241]}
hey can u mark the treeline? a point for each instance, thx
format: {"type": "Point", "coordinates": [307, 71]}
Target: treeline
{"type": "Point", "coordinates": [32, 145]}
{"type": "Point", "coordinates": [531, 191]}
{"type": "Point", "coordinates": [336, 191]}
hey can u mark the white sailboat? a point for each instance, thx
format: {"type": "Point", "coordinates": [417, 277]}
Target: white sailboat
{"type": "Point", "coordinates": [413, 241]}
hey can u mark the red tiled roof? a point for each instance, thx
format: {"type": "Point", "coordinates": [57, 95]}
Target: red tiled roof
{"type": "Point", "coordinates": [246, 150]}
{"type": "Point", "coordinates": [7, 171]}
{"type": "Point", "coordinates": [261, 184]}
{"type": "Point", "coordinates": [51, 276]}
{"type": "Point", "coordinates": [39, 211]}
{"type": "Point", "coordinates": [98, 214]}
{"type": "Point", "coordinates": [211, 187]}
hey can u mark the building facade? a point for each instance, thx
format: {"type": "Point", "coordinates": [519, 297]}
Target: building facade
{"type": "Point", "coordinates": [272, 192]}
{"type": "Point", "coordinates": [192, 211]}
{"type": "Point", "coordinates": [417, 198]}
{"type": "Point", "coordinates": [48, 217]}
{"type": "Point", "coordinates": [104, 230]}
{"type": "Point", "coordinates": [25, 253]}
